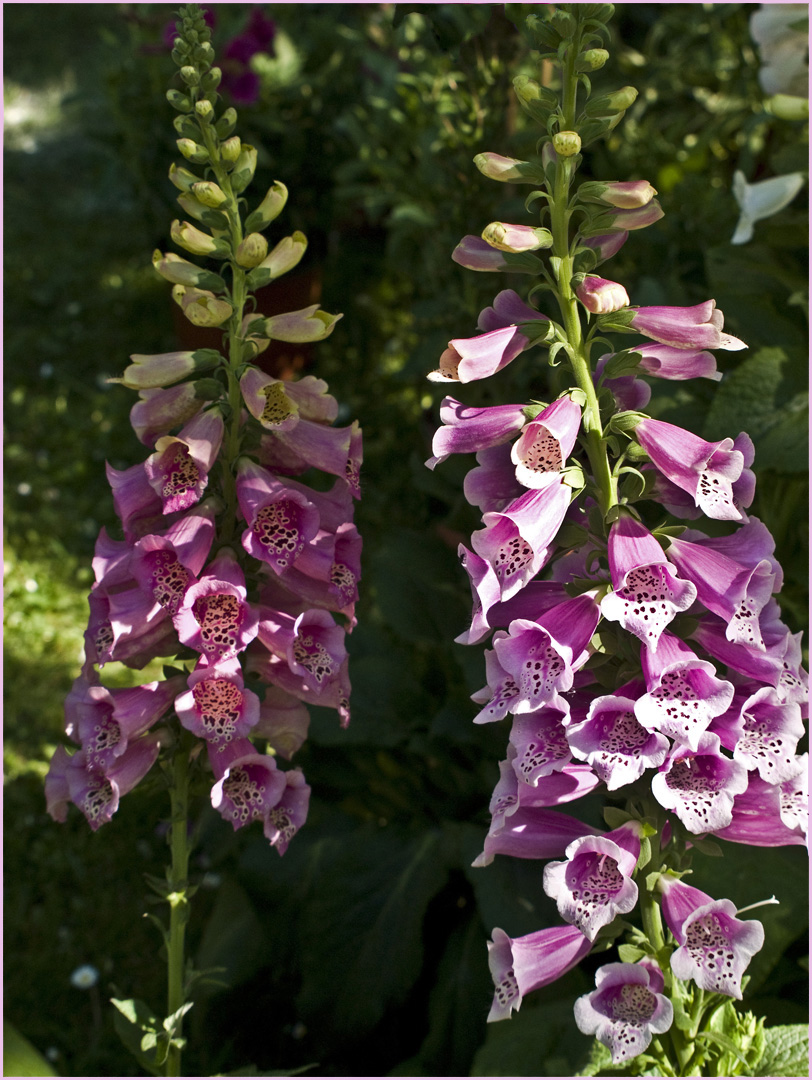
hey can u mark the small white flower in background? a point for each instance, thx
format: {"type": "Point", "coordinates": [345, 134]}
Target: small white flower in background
{"type": "Point", "coordinates": [762, 199]}
{"type": "Point", "coordinates": [780, 31]}
{"type": "Point", "coordinates": [84, 977]}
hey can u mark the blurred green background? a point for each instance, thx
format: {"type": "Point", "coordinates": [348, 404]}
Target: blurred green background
{"type": "Point", "coordinates": [363, 950]}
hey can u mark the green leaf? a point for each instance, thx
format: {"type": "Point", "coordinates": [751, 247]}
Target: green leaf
{"type": "Point", "coordinates": [233, 940]}
{"type": "Point", "coordinates": [19, 1056]}
{"type": "Point", "coordinates": [786, 1052]}
{"type": "Point", "coordinates": [132, 1020]}
{"type": "Point", "coordinates": [539, 1036]}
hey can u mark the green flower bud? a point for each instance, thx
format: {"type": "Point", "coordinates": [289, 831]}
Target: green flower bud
{"type": "Point", "coordinates": [185, 126]}
{"type": "Point", "coordinates": [199, 243]}
{"type": "Point", "coordinates": [535, 99]}
{"type": "Point", "coordinates": [212, 219]}
{"type": "Point", "coordinates": [244, 168]}
{"type": "Point", "coordinates": [179, 101]}
{"type": "Point", "coordinates": [252, 250]}
{"type": "Point", "coordinates": [203, 53]}
{"type": "Point", "coordinates": [609, 104]}
{"type": "Point", "coordinates": [592, 60]}
{"type": "Point", "coordinates": [193, 151]}
{"type": "Point", "coordinates": [189, 75]}
{"type": "Point", "coordinates": [211, 79]}
{"type": "Point", "coordinates": [182, 178]}
{"type": "Point", "coordinates": [230, 149]}
{"type": "Point", "coordinates": [204, 109]}
{"type": "Point", "coordinates": [566, 143]}
{"type": "Point", "coordinates": [209, 193]}
{"type": "Point", "coordinates": [269, 209]}
{"type": "Point", "coordinates": [287, 254]}
{"type": "Point", "coordinates": [227, 122]}
{"type": "Point", "coordinates": [181, 272]}
{"type": "Point", "coordinates": [200, 307]}
{"type": "Point", "coordinates": [788, 107]}
{"type": "Point", "coordinates": [509, 170]}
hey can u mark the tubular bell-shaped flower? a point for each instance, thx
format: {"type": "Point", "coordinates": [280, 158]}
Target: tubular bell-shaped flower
{"type": "Point", "coordinates": [520, 965]}
{"type": "Point", "coordinates": [626, 1010]}
{"type": "Point", "coordinates": [546, 442]}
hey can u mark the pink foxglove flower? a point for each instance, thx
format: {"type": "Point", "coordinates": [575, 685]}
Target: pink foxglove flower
{"type": "Point", "coordinates": [626, 1010]}
{"type": "Point", "coordinates": [468, 429]}
{"type": "Point", "coordinates": [770, 815]}
{"type": "Point", "coordinates": [546, 442]}
{"type": "Point", "coordinates": [594, 883]}
{"type": "Point", "coordinates": [215, 618]}
{"type": "Point", "coordinates": [178, 471]}
{"type": "Point", "coordinates": [280, 519]}
{"type": "Point", "coordinates": [508, 309]}
{"type": "Point", "coordinates": [647, 593]}
{"type": "Point", "coordinates": [678, 364]}
{"type": "Point", "coordinates": [520, 965]}
{"type": "Point", "coordinates": [492, 483]}
{"type": "Point", "coordinates": [706, 471]}
{"type": "Point", "coordinates": [474, 253]}
{"type": "Point", "coordinates": [217, 707]}
{"type": "Point", "coordinates": [540, 741]}
{"type": "Point", "coordinates": [601, 296]}
{"type": "Point", "coordinates": [699, 785]}
{"type": "Point", "coordinates": [715, 947]}
{"type": "Point", "coordinates": [697, 327]}
{"type": "Point", "coordinates": [468, 359]}
{"type": "Point", "coordinates": [623, 194]}
{"type": "Point", "coordinates": [531, 832]}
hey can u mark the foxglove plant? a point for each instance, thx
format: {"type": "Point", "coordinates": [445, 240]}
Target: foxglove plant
{"type": "Point", "coordinates": [230, 562]}
{"type": "Point", "coordinates": [632, 656]}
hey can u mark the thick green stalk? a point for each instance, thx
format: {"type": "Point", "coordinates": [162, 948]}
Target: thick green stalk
{"type": "Point", "coordinates": [178, 900]}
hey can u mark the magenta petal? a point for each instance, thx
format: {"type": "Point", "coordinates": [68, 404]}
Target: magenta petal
{"type": "Point", "coordinates": [699, 785]}
{"type": "Point", "coordinates": [625, 1011]}
{"type": "Point", "coordinates": [759, 813]}
{"type": "Point", "coordinates": [540, 742]}
{"type": "Point", "coordinates": [521, 965]}
{"type": "Point", "coordinates": [281, 520]}
{"type": "Point", "coordinates": [468, 429]}
{"type": "Point", "coordinates": [546, 442]}
{"type": "Point", "coordinates": [286, 817]}
{"type": "Point", "coordinates": [492, 484]}
{"type": "Point", "coordinates": [614, 743]}
{"type": "Point", "coordinates": [250, 786]}
{"type": "Point", "coordinates": [469, 359]}
{"type": "Point", "coordinates": [217, 707]}
{"type": "Point", "coordinates": [531, 832]}
{"type": "Point", "coordinates": [508, 309]}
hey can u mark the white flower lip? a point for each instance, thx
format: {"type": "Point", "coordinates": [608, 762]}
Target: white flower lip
{"type": "Point", "coordinates": [762, 200]}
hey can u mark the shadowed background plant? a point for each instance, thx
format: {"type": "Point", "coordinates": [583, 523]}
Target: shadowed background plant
{"type": "Point", "coordinates": [374, 958]}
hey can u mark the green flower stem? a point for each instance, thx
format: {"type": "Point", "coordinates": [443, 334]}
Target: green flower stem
{"type": "Point", "coordinates": [177, 898]}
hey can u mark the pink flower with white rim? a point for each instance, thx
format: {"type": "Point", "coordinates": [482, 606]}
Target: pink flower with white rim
{"type": "Point", "coordinates": [280, 519]}
{"type": "Point", "coordinates": [540, 742]}
{"type": "Point", "coordinates": [165, 566]}
{"type": "Point", "coordinates": [215, 618]}
{"type": "Point", "coordinates": [715, 946]}
{"type": "Point", "coordinates": [311, 644]}
{"type": "Point", "coordinates": [541, 656]}
{"type": "Point", "coordinates": [601, 296]}
{"type": "Point", "coordinates": [467, 429]}
{"type": "Point", "coordinates": [638, 218]}
{"type": "Point", "coordinates": [769, 736]}
{"type": "Point", "coordinates": [770, 815]}
{"type": "Point", "coordinates": [517, 541]}
{"type": "Point", "coordinates": [647, 594]}
{"type": "Point", "coordinates": [334, 450]}
{"type": "Point", "coordinates": [626, 1010]}
{"type": "Point", "coordinates": [683, 693]}
{"type": "Point", "coordinates": [736, 593]}
{"type": "Point", "coordinates": [699, 785]}
{"type": "Point", "coordinates": [678, 364]}
{"type": "Point", "coordinates": [749, 544]}
{"type": "Point", "coordinates": [520, 965]}
{"type": "Point", "coordinates": [546, 442]}
{"type": "Point", "coordinates": [178, 471]}
{"type": "Point", "coordinates": [334, 693]}
{"type": "Point", "coordinates": [516, 238]}
{"type": "Point", "coordinates": [611, 739]}
{"type": "Point", "coordinates": [469, 359]}
{"type": "Point", "coordinates": [697, 327]}
{"type": "Point", "coordinates": [707, 471]}
{"type": "Point", "coordinates": [216, 706]}
{"type": "Point", "coordinates": [485, 591]}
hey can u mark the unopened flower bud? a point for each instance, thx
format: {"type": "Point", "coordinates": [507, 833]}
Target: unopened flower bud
{"type": "Point", "coordinates": [211, 79]}
{"type": "Point", "coordinates": [179, 101]}
{"type": "Point", "coordinates": [180, 271]}
{"type": "Point", "coordinates": [182, 178]}
{"type": "Point", "coordinates": [200, 307]}
{"type": "Point", "coordinates": [609, 104]}
{"type": "Point", "coordinates": [196, 241]}
{"type": "Point", "coordinates": [189, 75]}
{"type": "Point", "coordinates": [309, 324]}
{"type": "Point", "coordinates": [509, 170]}
{"type": "Point", "coordinates": [592, 60]}
{"type": "Point", "coordinates": [244, 169]}
{"type": "Point", "coordinates": [600, 296]}
{"type": "Point", "coordinates": [269, 209]}
{"type": "Point", "coordinates": [624, 194]}
{"type": "Point", "coordinates": [186, 127]}
{"type": "Point", "coordinates": [204, 109]}
{"type": "Point", "coordinates": [227, 122]}
{"type": "Point", "coordinates": [209, 193]}
{"type": "Point", "coordinates": [193, 151]}
{"type": "Point", "coordinates": [252, 250]}
{"type": "Point", "coordinates": [230, 149]}
{"type": "Point", "coordinates": [535, 99]}
{"type": "Point", "coordinates": [287, 254]}
{"type": "Point", "coordinates": [516, 238]}
{"type": "Point", "coordinates": [566, 143]}
{"type": "Point", "coordinates": [163, 369]}
{"type": "Point", "coordinates": [788, 107]}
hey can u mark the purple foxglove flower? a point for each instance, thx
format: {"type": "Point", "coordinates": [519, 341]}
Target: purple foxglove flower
{"type": "Point", "coordinates": [638, 218]}
{"type": "Point", "coordinates": [283, 721]}
{"type": "Point", "coordinates": [758, 815]}
{"type": "Point", "coordinates": [697, 327]}
{"type": "Point", "coordinates": [683, 693]}
{"type": "Point", "coordinates": [669, 362]}
{"type": "Point", "coordinates": [714, 946]}
{"type": "Point", "coordinates": [105, 722]}
{"type": "Point", "coordinates": [281, 520]}
{"type": "Point", "coordinates": [215, 618]}
{"type": "Point", "coordinates": [97, 795]}
{"type": "Point", "coordinates": [492, 484]}
{"type": "Point", "coordinates": [474, 253]}
{"type": "Point", "coordinates": [546, 442]}
{"type": "Point", "coordinates": [612, 740]}
{"type": "Point", "coordinates": [647, 594]}
{"type": "Point", "coordinates": [333, 694]}
{"type": "Point", "coordinates": [248, 783]}
{"type": "Point", "coordinates": [325, 575]}
{"type": "Point", "coordinates": [601, 296]}
{"type": "Point", "coordinates": [165, 566]}
{"type": "Point", "coordinates": [630, 393]}
{"type": "Point", "coordinates": [126, 626]}
{"type": "Point", "coordinates": [541, 656]}
{"type": "Point", "coordinates": [337, 451]}
{"type": "Point", "coordinates": [286, 817]}
{"type": "Point", "coordinates": [468, 359]}
{"type": "Point", "coordinates": [778, 664]}
{"type": "Point", "coordinates": [794, 805]}
{"type": "Point", "coordinates": [606, 245]}
{"type": "Point", "coordinates": [749, 544]}
{"type": "Point", "coordinates": [521, 965]}
{"type": "Point", "coordinates": [178, 471]}
{"type": "Point", "coordinates": [216, 706]}
{"type": "Point", "coordinates": [516, 238]}
{"type": "Point", "coordinates": [699, 785]}
{"type": "Point", "coordinates": [540, 741]}
{"type": "Point", "coordinates": [485, 591]}
{"type": "Point", "coordinates": [277, 404]}
{"type": "Point", "coordinates": [736, 593]}
{"type": "Point", "coordinates": [625, 1011]}
{"type": "Point", "coordinates": [707, 471]}
{"type": "Point", "coordinates": [594, 883]}
{"type": "Point", "coordinates": [158, 411]}
{"type": "Point", "coordinates": [139, 509]}
{"type": "Point", "coordinates": [311, 645]}
{"type": "Point", "coordinates": [531, 832]}
{"type": "Point", "coordinates": [468, 429]}
{"type": "Point", "coordinates": [623, 194]}
{"type": "Point", "coordinates": [517, 541]}
{"type": "Point", "coordinates": [508, 309]}
{"type": "Point", "coordinates": [308, 324]}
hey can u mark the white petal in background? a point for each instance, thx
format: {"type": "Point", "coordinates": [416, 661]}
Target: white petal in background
{"type": "Point", "coordinates": [780, 31]}
{"type": "Point", "coordinates": [762, 200]}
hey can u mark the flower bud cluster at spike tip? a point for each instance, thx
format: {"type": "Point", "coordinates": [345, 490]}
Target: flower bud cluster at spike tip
{"type": "Point", "coordinates": [230, 562]}
{"type": "Point", "coordinates": [623, 652]}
